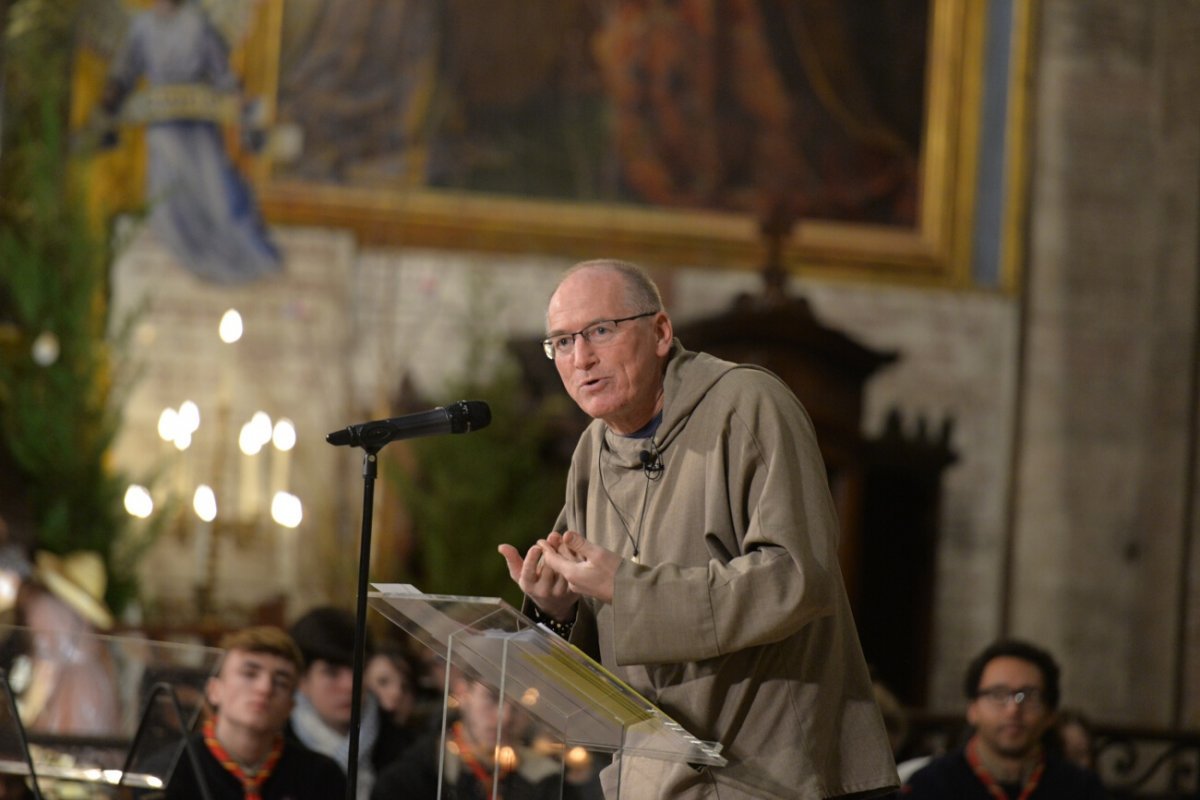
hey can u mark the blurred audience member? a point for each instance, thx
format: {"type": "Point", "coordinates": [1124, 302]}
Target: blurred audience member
{"type": "Point", "coordinates": [390, 676]}
{"type": "Point", "coordinates": [1013, 690]}
{"type": "Point", "coordinates": [324, 702]}
{"type": "Point", "coordinates": [471, 756]}
{"type": "Point", "coordinates": [242, 752]}
{"type": "Point", "coordinates": [63, 673]}
{"type": "Point", "coordinates": [1075, 737]}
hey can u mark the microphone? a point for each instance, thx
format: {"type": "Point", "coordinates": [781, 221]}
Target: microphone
{"type": "Point", "coordinates": [651, 463]}
{"type": "Point", "coordinates": [461, 417]}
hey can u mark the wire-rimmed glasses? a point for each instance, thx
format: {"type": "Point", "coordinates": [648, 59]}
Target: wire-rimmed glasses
{"type": "Point", "coordinates": [597, 334]}
{"type": "Point", "coordinates": [1000, 696]}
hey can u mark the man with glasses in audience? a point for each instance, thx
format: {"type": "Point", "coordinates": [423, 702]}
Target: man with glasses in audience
{"type": "Point", "coordinates": [1013, 691]}
{"type": "Point", "coordinates": [696, 556]}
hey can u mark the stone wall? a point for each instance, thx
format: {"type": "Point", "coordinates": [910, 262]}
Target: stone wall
{"type": "Point", "coordinates": [1106, 456]}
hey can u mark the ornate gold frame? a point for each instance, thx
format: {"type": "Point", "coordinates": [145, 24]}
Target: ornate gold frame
{"type": "Point", "coordinates": [937, 251]}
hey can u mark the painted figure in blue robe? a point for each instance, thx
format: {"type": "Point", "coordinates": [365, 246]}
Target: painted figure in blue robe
{"type": "Point", "coordinates": [201, 207]}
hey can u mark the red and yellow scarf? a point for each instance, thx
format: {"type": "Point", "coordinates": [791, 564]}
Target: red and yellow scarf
{"type": "Point", "coordinates": [251, 781]}
{"type": "Point", "coordinates": [990, 783]}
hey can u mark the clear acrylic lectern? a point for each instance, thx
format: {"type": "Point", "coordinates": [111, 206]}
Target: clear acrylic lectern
{"type": "Point", "coordinates": [560, 702]}
{"type": "Point", "coordinates": [92, 716]}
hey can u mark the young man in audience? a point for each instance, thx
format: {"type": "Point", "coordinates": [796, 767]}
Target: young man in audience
{"type": "Point", "coordinates": [390, 676]}
{"type": "Point", "coordinates": [242, 751]}
{"type": "Point", "coordinates": [470, 770]}
{"type": "Point", "coordinates": [1013, 690]}
{"type": "Point", "coordinates": [322, 716]}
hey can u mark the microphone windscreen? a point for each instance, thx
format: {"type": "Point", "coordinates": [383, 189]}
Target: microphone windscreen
{"type": "Point", "coordinates": [471, 415]}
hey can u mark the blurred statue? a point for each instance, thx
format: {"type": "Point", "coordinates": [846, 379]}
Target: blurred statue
{"type": "Point", "coordinates": [64, 679]}
{"type": "Point", "coordinates": [201, 207]}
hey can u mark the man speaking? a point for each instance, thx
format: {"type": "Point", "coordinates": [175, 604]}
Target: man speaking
{"type": "Point", "coordinates": [696, 556]}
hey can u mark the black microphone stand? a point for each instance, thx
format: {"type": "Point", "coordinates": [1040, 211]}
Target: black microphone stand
{"type": "Point", "coordinates": [370, 470]}
{"type": "Point", "coordinates": [372, 437]}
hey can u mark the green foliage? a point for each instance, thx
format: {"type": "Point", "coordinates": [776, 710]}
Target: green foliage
{"type": "Point", "coordinates": [57, 418]}
{"type": "Point", "coordinates": [468, 494]}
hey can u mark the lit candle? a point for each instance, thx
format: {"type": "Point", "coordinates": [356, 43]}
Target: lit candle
{"type": "Point", "coordinates": [230, 327]}
{"type": "Point", "coordinates": [230, 330]}
{"type": "Point", "coordinates": [168, 431]}
{"type": "Point", "coordinates": [254, 435]}
{"type": "Point", "coordinates": [287, 560]}
{"type": "Point", "coordinates": [138, 502]}
{"type": "Point", "coordinates": [248, 501]}
{"type": "Point", "coordinates": [284, 439]}
{"type": "Point", "coordinates": [204, 503]}
{"type": "Point", "coordinates": [288, 513]}
{"type": "Point", "coordinates": [187, 422]}
{"type": "Point", "coordinates": [168, 423]}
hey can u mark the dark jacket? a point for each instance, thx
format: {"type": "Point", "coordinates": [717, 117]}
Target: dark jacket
{"type": "Point", "coordinates": [300, 774]}
{"type": "Point", "coordinates": [950, 777]}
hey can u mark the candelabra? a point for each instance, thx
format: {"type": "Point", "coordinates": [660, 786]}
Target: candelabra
{"type": "Point", "coordinates": [229, 496]}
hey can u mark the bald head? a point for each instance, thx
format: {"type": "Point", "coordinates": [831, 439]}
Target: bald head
{"type": "Point", "coordinates": [641, 292]}
{"type": "Point", "coordinates": [609, 315]}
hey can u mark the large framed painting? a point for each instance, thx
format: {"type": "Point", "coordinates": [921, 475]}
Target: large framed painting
{"type": "Point", "coordinates": [669, 132]}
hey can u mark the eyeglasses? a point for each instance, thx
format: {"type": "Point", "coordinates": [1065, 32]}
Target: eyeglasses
{"type": "Point", "coordinates": [1001, 696]}
{"type": "Point", "coordinates": [598, 334]}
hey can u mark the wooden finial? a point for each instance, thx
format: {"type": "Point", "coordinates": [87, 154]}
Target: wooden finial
{"type": "Point", "coordinates": [776, 227]}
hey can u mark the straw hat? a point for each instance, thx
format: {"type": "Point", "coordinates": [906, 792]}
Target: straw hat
{"type": "Point", "coordinates": [79, 580]}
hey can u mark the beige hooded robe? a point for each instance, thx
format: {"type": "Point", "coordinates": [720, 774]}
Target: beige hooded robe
{"type": "Point", "coordinates": [736, 622]}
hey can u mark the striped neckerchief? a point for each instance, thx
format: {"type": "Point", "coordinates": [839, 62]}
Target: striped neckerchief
{"type": "Point", "coordinates": [989, 782]}
{"type": "Point", "coordinates": [251, 781]}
